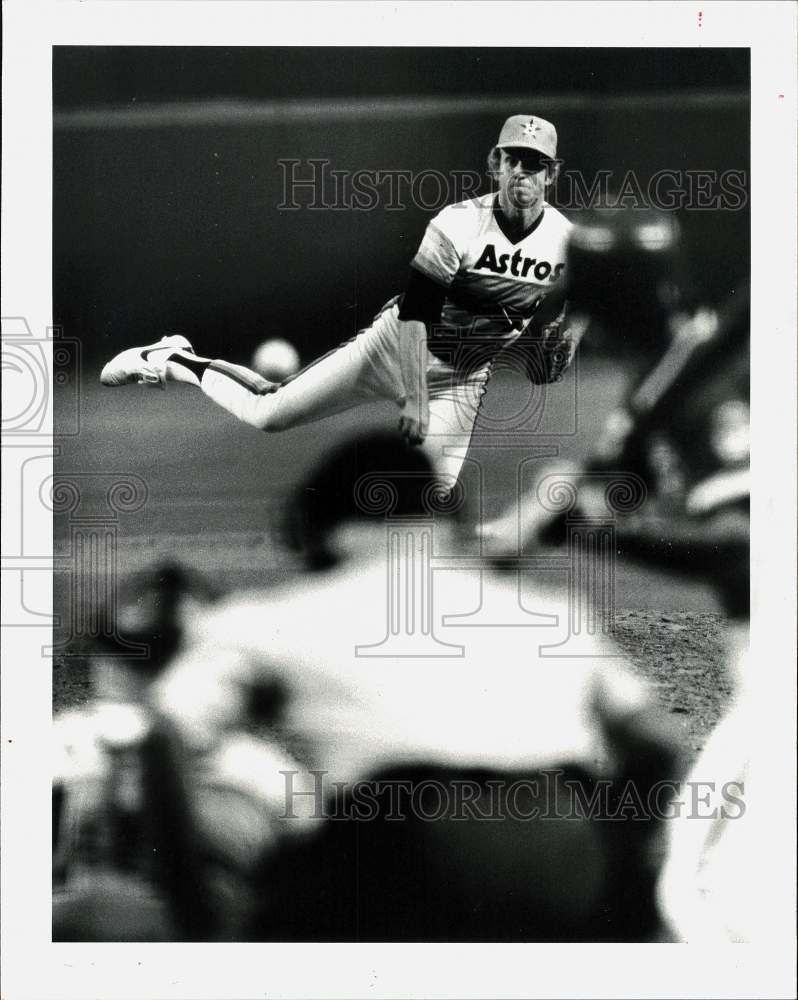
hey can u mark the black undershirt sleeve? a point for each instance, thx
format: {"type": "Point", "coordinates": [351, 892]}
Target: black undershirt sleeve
{"type": "Point", "coordinates": [423, 298]}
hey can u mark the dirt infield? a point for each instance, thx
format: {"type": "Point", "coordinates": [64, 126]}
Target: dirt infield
{"type": "Point", "coordinates": [681, 655]}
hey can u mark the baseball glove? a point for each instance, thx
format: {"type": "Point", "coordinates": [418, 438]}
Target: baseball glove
{"type": "Point", "coordinates": [549, 346]}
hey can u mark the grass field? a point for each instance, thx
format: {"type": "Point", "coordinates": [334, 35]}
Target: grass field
{"type": "Point", "coordinates": [214, 485]}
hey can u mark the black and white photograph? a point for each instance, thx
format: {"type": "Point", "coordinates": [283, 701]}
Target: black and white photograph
{"type": "Point", "coordinates": [399, 500]}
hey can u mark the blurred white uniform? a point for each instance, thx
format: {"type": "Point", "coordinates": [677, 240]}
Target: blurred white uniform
{"type": "Point", "coordinates": [501, 704]}
{"type": "Point", "coordinates": [719, 883]}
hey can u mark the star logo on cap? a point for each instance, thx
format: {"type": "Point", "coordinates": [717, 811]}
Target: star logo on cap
{"type": "Point", "coordinates": [530, 128]}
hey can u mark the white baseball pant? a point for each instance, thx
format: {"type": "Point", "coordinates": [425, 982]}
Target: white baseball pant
{"type": "Point", "coordinates": [361, 370]}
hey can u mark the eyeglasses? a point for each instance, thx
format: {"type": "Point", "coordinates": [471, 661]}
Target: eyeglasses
{"type": "Point", "coordinates": [531, 161]}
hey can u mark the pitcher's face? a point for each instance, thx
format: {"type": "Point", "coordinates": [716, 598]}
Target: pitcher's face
{"type": "Point", "coordinates": [523, 178]}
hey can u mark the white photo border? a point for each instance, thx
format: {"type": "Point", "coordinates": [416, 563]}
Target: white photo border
{"type": "Point", "coordinates": [36, 968]}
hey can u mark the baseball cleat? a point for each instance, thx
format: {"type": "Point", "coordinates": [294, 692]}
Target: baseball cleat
{"type": "Point", "coordinates": [145, 365]}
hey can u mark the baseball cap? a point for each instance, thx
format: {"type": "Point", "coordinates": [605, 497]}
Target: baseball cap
{"type": "Point", "coordinates": [529, 132]}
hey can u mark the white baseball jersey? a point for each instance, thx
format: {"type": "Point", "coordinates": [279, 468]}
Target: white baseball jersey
{"type": "Point", "coordinates": [467, 249]}
{"type": "Point", "coordinates": [350, 713]}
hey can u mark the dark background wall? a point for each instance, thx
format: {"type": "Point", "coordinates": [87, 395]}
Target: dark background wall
{"type": "Point", "coordinates": [167, 186]}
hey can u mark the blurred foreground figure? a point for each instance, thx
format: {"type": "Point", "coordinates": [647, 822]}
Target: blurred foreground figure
{"type": "Point", "coordinates": [685, 430]}
{"type": "Point", "coordinates": [452, 782]}
{"type": "Point", "coordinates": [155, 831]}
